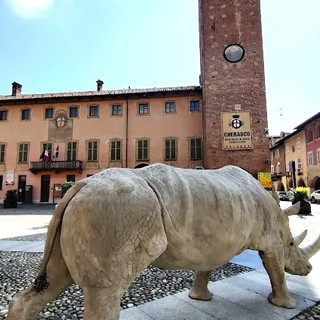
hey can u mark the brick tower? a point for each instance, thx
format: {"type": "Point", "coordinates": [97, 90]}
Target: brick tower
{"type": "Point", "coordinates": [232, 77]}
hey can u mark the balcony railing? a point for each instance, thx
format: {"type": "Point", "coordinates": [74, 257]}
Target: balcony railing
{"type": "Point", "coordinates": [276, 176]}
{"type": "Point", "coordinates": [56, 166]}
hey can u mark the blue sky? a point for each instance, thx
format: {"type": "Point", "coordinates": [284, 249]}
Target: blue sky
{"type": "Point", "coordinates": [66, 45]}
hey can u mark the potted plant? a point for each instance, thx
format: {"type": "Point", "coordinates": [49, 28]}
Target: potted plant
{"type": "Point", "coordinates": [11, 199]}
{"type": "Point", "coordinates": [301, 194]}
{"type": "Point", "coordinates": [66, 186]}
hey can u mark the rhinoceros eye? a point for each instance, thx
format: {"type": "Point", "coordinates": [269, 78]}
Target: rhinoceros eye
{"type": "Point", "coordinates": [291, 243]}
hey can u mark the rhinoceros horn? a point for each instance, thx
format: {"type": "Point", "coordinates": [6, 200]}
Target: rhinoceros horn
{"type": "Point", "coordinates": [299, 238]}
{"type": "Point", "coordinates": [312, 249]}
{"type": "Point", "coordinates": [294, 209]}
{"type": "Point", "coordinates": [275, 195]}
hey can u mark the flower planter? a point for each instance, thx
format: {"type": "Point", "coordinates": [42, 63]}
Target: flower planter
{"type": "Point", "coordinates": [7, 204]}
{"type": "Point", "coordinates": [301, 194]}
{"type": "Point", "coordinates": [305, 207]}
{"type": "Point", "coordinates": [11, 199]}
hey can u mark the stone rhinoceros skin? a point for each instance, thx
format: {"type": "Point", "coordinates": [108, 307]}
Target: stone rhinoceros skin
{"type": "Point", "coordinates": [109, 227]}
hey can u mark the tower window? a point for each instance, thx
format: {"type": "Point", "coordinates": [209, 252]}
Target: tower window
{"type": "Point", "coordinates": [233, 53]}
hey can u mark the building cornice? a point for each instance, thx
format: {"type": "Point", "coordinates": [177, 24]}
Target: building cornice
{"type": "Point", "coordinates": [99, 95]}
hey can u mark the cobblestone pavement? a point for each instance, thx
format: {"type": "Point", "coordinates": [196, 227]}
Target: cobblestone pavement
{"type": "Point", "coordinates": [30, 222]}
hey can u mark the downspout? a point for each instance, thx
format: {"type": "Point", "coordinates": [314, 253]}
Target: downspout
{"type": "Point", "coordinates": [127, 128]}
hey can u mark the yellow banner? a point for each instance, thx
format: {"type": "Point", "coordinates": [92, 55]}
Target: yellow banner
{"type": "Point", "coordinates": [265, 179]}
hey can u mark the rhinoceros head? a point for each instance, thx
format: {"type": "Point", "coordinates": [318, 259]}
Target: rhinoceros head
{"type": "Point", "coordinates": [296, 258]}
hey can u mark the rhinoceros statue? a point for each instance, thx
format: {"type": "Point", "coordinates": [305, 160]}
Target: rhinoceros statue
{"type": "Point", "coordinates": [109, 227]}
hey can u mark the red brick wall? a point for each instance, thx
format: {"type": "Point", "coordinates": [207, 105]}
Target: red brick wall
{"type": "Point", "coordinates": [227, 85]}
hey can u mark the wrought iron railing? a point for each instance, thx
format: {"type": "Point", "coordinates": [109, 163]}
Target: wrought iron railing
{"type": "Point", "coordinates": [276, 176]}
{"type": "Point", "coordinates": [56, 165]}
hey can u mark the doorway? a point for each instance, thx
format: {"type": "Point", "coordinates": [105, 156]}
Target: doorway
{"type": "Point", "coordinates": [45, 188]}
{"type": "Point", "coordinates": [22, 180]}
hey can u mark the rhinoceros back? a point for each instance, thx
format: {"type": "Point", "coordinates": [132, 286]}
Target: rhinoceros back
{"type": "Point", "coordinates": [209, 215]}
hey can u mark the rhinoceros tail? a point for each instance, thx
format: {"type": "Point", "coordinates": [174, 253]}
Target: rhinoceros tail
{"type": "Point", "coordinates": [41, 283]}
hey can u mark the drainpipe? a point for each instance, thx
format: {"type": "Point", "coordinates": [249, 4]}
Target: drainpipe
{"type": "Point", "coordinates": [127, 128]}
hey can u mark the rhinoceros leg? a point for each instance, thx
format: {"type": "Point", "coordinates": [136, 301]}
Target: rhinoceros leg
{"type": "Point", "coordinates": [107, 240]}
{"type": "Point", "coordinates": [199, 289]}
{"type": "Point", "coordinates": [274, 265]}
{"type": "Point", "coordinates": [27, 304]}
{"type": "Point", "coordinates": [101, 303]}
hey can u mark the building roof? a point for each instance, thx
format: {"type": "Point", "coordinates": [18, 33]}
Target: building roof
{"type": "Point", "coordinates": [282, 140]}
{"type": "Point", "coordinates": [297, 129]}
{"type": "Point", "coordinates": [98, 95]}
{"type": "Point", "coordinates": [308, 121]}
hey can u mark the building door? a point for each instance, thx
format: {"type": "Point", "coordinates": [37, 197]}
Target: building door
{"type": "Point", "coordinates": [21, 187]}
{"type": "Point", "coordinates": [45, 188]}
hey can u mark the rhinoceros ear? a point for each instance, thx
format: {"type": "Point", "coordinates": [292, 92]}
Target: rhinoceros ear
{"type": "Point", "coordinates": [294, 209]}
{"type": "Point", "coordinates": [275, 195]}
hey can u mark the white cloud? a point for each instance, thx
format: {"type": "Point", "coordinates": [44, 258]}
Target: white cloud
{"type": "Point", "coordinates": [29, 9]}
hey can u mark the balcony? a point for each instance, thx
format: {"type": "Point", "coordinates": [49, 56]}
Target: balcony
{"type": "Point", "coordinates": [299, 171]}
{"type": "Point", "coordinates": [56, 166]}
{"type": "Point", "coordinates": [276, 176]}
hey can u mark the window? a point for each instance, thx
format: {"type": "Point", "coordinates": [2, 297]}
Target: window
{"type": "Point", "coordinates": [92, 151]}
{"type": "Point", "coordinates": [278, 168]}
{"type": "Point", "coordinates": [143, 152]}
{"type": "Point", "coordinates": [116, 110]}
{"type": "Point", "coordinates": [25, 114]}
{"type": "Point", "coordinates": [94, 111]}
{"type": "Point", "coordinates": [115, 150]}
{"type": "Point", "coordinates": [310, 158]}
{"type": "Point", "coordinates": [299, 164]}
{"type": "Point", "coordinates": [298, 143]}
{"type": "Point", "coordinates": [46, 146]}
{"type": "Point", "coordinates": [287, 147]}
{"type": "Point", "coordinates": [48, 113]}
{"type": "Point", "coordinates": [71, 178]}
{"type": "Point", "coordinates": [194, 106]}
{"type": "Point", "coordinates": [1, 182]}
{"type": "Point", "coordinates": [272, 169]}
{"type": "Point", "coordinates": [143, 108]}
{"type": "Point", "coordinates": [73, 112]}
{"type": "Point", "coordinates": [318, 156]}
{"type": "Point", "coordinates": [277, 154]}
{"type": "Point", "coordinates": [2, 152]}
{"type": "Point", "coordinates": [233, 53]}
{"type": "Point", "coordinates": [72, 151]}
{"type": "Point", "coordinates": [271, 156]}
{"type": "Point", "coordinates": [318, 131]}
{"type": "Point", "coordinates": [3, 115]}
{"type": "Point", "coordinates": [288, 166]}
{"type": "Point", "coordinates": [23, 153]}
{"type": "Point", "coordinates": [195, 149]}
{"type": "Point", "coordinates": [170, 107]}
{"type": "Point", "coordinates": [170, 149]}
{"type": "Point", "coordinates": [310, 136]}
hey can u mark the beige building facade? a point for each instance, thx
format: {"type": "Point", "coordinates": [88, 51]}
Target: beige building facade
{"type": "Point", "coordinates": [288, 162]}
{"type": "Point", "coordinates": [295, 157]}
{"type": "Point", "coordinates": [50, 138]}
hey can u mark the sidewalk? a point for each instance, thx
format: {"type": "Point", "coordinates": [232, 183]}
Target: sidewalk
{"type": "Point", "coordinates": [24, 246]}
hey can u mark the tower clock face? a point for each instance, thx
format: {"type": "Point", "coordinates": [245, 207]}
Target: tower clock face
{"type": "Point", "coordinates": [233, 53]}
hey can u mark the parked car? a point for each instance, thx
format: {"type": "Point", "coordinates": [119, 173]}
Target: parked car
{"type": "Point", "coordinates": [283, 195]}
{"type": "Point", "coordinates": [315, 196]}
